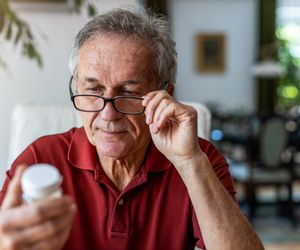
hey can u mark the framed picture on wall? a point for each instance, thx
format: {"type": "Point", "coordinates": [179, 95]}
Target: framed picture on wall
{"type": "Point", "coordinates": [210, 53]}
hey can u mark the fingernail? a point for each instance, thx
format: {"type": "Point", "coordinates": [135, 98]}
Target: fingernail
{"type": "Point", "coordinates": [148, 119]}
{"type": "Point", "coordinates": [155, 129]}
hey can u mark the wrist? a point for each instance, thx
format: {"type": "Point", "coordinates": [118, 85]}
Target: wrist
{"type": "Point", "coordinates": [192, 165]}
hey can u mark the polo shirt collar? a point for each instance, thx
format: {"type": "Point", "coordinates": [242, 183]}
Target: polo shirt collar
{"type": "Point", "coordinates": [82, 154]}
{"type": "Point", "coordinates": [155, 160]}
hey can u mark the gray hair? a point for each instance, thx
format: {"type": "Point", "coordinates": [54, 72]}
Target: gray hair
{"type": "Point", "coordinates": [142, 25]}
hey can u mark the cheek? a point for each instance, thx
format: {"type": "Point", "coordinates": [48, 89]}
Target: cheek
{"type": "Point", "coordinates": [139, 125]}
{"type": "Point", "coordinates": [87, 120]}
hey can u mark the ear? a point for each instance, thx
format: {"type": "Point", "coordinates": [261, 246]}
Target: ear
{"type": "Point", "coordinates": [171, 88]}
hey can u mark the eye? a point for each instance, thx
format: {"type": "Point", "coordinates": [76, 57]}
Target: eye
{"type": "Point", "coordinates": [128, 92]}
{"type": "Point", "coordinates": [94, 90]}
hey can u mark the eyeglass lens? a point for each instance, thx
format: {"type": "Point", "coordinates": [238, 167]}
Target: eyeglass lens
{"type": "Point", "coordinates": [121, 104]}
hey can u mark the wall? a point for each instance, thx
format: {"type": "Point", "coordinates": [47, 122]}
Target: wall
{"type": "Point", "coordinates": [24, 82]}
{"type": "Point", "coordinates": [235, 88]}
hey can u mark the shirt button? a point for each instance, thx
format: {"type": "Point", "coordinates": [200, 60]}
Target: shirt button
{"type": "Point", "coordinates": [121, 202]}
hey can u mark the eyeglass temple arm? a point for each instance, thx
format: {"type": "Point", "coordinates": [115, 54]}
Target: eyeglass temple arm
{"type": "Point", "coordinates": [165, 85]}
{"type": "Point", "coordinates": [70, 87]}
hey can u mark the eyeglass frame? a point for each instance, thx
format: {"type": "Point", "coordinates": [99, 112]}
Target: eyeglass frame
{"type": "Point", "coordinates": [111, 100]}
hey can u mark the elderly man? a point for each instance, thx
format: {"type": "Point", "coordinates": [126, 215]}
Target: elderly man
{"type": "Point", "coordinates": [135, 176]}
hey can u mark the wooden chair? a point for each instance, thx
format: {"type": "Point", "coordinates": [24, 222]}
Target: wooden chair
{"type": "Point", "coordinates": [273, 168]}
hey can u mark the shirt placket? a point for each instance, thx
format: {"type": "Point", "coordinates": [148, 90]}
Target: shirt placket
{"type": "Point", "coordinates": [120, 219]}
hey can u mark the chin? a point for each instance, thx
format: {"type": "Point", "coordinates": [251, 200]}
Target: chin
{"type": "Point", "coordinates": [114, 150]}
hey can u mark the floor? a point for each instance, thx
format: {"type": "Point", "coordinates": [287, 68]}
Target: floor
{"type": "Point", "coordinates": [287, 246]}
{"type": "Point", "coordinates": [276, 232]}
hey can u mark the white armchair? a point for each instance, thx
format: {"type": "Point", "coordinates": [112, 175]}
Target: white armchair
{"type": "Point", "coordinates": [204, 118]}
{"type": "Point", "coordinates": [30, 121]}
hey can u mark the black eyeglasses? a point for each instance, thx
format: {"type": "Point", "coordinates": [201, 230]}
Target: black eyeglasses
{"type": "Point", "coordinates": [131, 105]}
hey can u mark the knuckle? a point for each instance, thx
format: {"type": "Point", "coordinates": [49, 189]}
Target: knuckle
{"type": "Point", "coordinates": [38, 212]}
{"type": "Point", "coordinates": [173, 105]}
{"type": "Point", "coordinates": [165, 101]}
{"type": "Point", "coordinates": [193, 113]}
{"type": "Point", "coordinates": [150, 110]}
{"type": "Point", "coordinates": [3, 225]}
{"type": "Point", "coordinates": [50, 228]}
{"type": "Point", "coordinates": [163, 94]}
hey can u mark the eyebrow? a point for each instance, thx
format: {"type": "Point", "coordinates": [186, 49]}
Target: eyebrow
{"type": "Point", "coordinates": [126, 82]}
{"type": "Point", "coordinates": [90, 80]}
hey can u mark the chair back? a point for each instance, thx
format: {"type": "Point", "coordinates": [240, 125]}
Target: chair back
{"type": "Point", "coordinates": [203, 119]}
{"type": "Point", "coordinates": [31, 120]}
{"type": "Point", "coordinates": [273, 141]}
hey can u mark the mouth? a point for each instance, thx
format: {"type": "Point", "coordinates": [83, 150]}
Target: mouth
{"type": "Point", "coordinates": [111, 132]}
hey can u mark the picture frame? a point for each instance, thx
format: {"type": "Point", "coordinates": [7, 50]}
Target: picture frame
{"type": "Point", "coordinates": [210, 53]}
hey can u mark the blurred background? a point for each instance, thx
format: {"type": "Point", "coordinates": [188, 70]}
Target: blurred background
{"type": "Point", "coordinates": [240, 58]}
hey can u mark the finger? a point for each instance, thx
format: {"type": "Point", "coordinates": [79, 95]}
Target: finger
{"type": "Point", "coordinates": [164, 104]}
{"type": "Point", "coordinates": [13, 195]}
{"type": "Point", "coordinates": [45, 230]}
{"type": "Point", "coordinates": [28, 215]}
{"type": "Point", "coordinates": [54, 242]}
{"type": "Point", "coordinates": [164, 117]}
{"type": "Point", "coordinates": [152, 103]}
{"type": "Point", "coordinates": [176, 113]}
{"type": "Point", "coordinates": [149, 96]}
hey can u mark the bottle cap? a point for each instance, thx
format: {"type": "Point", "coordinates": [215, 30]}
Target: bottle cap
{"type": "Point", "coordinates": [40, 180]}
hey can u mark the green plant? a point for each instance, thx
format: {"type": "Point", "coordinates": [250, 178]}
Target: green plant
{"type": "Point", "coordinates": [289, 88]}
{"type": "Point", "coordinates": [289, 85]}
{"type": "Point", "coordinates": [16, 30]}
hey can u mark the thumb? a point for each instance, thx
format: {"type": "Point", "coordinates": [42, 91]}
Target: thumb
{"type": "Point", "coordinates": [13, 195]}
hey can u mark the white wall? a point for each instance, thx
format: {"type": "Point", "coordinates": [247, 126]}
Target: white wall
{"type": "Point", "coordinates": [235, 88]}
{"type": "Point", "coordinates": [25, 82]}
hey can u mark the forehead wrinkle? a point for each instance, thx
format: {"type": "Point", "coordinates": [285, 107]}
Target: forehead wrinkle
{"type": "Point", "coordinates": [102, 55]}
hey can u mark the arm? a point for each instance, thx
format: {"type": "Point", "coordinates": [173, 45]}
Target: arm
{"type": "Point", "coordinates": [173, 128]}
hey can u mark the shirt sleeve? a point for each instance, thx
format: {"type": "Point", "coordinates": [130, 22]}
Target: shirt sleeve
{"type": "Point", "coordinates": [221, 168]}
{"type": "Point", "coordinates": [27, 157]}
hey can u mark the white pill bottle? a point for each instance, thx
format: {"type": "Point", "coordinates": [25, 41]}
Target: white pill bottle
{"type": "Point", "coordinates": [40, 181]}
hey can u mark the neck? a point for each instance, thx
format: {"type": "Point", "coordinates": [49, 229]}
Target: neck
{"type": "Point", "coordinates": [121, 171]}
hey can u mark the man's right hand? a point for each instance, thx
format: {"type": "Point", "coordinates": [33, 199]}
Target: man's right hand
{"type": "Point", "coordinates": [45, 224]}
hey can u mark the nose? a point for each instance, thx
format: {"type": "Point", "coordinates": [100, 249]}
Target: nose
{"type": "Point", "coordinates": [108, 113]}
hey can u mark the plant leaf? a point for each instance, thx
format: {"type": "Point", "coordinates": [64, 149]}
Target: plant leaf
{"type": "Point", "coordinates": [78, 5]}
{"type": "Point", "coordinates": [2, 21]}
{"type": "Point", "coordinates": [8, 31]}
{"type": "Point", "coordinates": [29, 34]}
{"type": "Point", "coordinates": [39, 59]}
{"type": "Point", "coordinates": [18, 35]}
{"type": "Point", "coordinates": [30, 50]}
{"type": "Point", "coordinates": [91, 10]}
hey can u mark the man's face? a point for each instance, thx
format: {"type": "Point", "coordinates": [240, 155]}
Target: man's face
{"type": "Point", "coordinates": [109, 66]}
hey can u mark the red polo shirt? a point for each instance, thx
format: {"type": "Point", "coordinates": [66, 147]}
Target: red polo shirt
{"type": "Point", "coordinates": [153, 212]}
